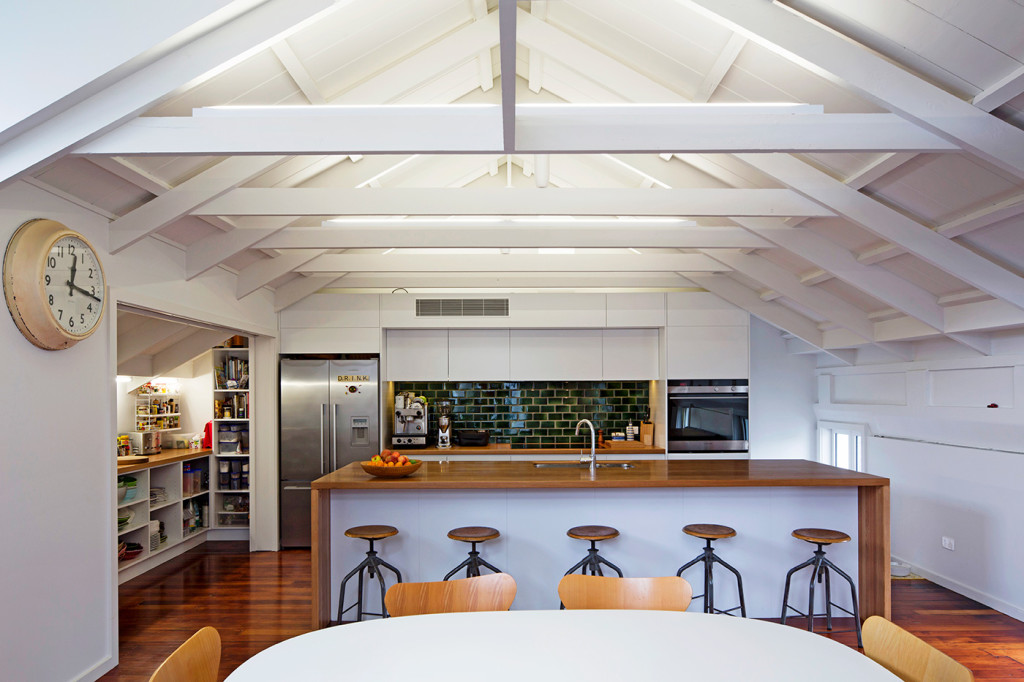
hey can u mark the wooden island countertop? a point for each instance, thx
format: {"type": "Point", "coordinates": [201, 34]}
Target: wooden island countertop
{"type": "Point", "coordinates": [873, 536]}
{"type": "Point", "coordinates": [644, 474]}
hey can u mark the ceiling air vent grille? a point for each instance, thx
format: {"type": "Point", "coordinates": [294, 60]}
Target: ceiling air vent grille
{"type": "Point", "coordinates": [461, 307]}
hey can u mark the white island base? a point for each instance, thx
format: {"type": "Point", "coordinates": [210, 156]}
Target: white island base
{"type": "Point", "coordinates": [536, 551]}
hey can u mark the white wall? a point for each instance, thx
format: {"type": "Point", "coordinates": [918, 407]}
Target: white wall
{"type": "Point", "coordinates": [942, 449]}
{"type": "Point", "coordinates": [57, 465]}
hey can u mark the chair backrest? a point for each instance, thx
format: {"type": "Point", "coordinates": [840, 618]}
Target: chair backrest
{"type": "Point", "coordinates": [578, 591]}
{"type": "Point", "coordinates": [908, 657]}
{"type": "Point", "coordinates": [491, 592]}
{"type": "Point", "coordinates": [197, 660]}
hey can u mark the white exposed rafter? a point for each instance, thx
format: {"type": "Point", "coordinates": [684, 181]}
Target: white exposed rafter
{"type": "Point", "coordinates": [508, 234]}
{"type": "Point", "coordinates": [394, 83]}
{"type": "Point", "coordinates": [515, 262]}
{"type": "Point", "coordinates": [180, 201]}
{"type": "Point", "coordinates": [832, 257]}
{"type": "Point", "coordinates": [539, 128]}
{"type": "Point", "coordinates": [726, 58]}
{"type": "Point", "coordinates": [832, 56]}
{"type": "Point", "coordinates": [892, 226]}
{"type": "Point", "coordinates": [784, 282]}
{"type": "Point", "coordinates": [127, 97]}
{"type": "Point", "coordinates": [520, 201]}
{"type": "Point", "coordinates": [774, 314]}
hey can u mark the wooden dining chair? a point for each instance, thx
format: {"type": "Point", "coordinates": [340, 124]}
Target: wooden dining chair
{"type": "Point", "coordinates": [907, 656]}
{"type": "Point", "coordinates": [197, 660]}
{"type": "Point", "coordinates": [491, 592]}
{"type": "Point", "coordinates": [579, 591]}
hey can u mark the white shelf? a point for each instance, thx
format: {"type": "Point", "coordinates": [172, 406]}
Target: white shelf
{"type": "Point", "coordinates": [137, 500]}
{"type": "Point", "coordinates": [232, 512]}
{"type": "Point", "coordinates": [177, 428]}
{"type": "Point", "coordinates": [135, 526]}
{"type": "Point", "coordinates": [162, 505]}
{"type": "Point", "coordinates": [236, 455]}
{"type": "Point", "coordinates": [229, 492]}
{"type": "Point", "coordinates": [231, 390]}
{"type": "Point", "coordinates": [186, 498]}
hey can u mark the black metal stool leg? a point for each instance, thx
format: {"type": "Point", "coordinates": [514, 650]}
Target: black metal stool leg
{"type": "Point", "coordinates": [853, 596]}
{"type": "Point", "coordinates": [828, 596]}
{"type": "Point", "coordinates": [371, 565]}
{"type": "Point", "coordinates": [739, 584]}
{"type": "Point", "coordinates": [785, 593]}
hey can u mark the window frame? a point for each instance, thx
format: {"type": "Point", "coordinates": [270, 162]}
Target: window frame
{"type": "Point", "coordinates": [827, 451]}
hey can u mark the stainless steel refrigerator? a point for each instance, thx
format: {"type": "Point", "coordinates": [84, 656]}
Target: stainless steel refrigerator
{"type": "Point", "coordinates": [329, 411]}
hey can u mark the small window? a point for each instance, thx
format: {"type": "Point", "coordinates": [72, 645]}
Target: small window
{"type": "Point", "coordinates": [841, 444]}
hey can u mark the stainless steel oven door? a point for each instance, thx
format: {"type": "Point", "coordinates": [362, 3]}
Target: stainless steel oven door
{"type": "Point", "coordinates": [708, 423]}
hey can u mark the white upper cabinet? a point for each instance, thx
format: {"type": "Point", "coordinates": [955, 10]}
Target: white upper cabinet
{"type": "Point", "coordinates": [716, 352]}
{"type": "Point", "coordinates": [417, 355]}
{"type": "Point", "coordinates": [555, 354]}
{"type": "Point", "coordinates": [478, 354]}
{"type": "Point", "coordinates": [630, 354]}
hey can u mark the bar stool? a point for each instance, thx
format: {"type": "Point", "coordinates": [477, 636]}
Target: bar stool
{"type": "Point", "coordinates": [473, 535]}
{"type": "Point", "coordinates": [593, 560]}
{"type": "Point", "coordinates": [372, 565]}
{"type": "Point", "coordinates": [822, 566]}
{"type": "Point", "coordinates": [709, 532]}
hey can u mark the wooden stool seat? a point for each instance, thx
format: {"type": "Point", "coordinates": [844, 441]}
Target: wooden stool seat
{"type": "Point", "coordinates": [592, 533]}
{"type": "Point", "coordinates": [473, 533]}
{"type": "Point", "coordinates": [820, 536]}
{"type": "Point", "coordinates": [473, 563]}
{"type": "Point", "coordinates": [371, 532]}
{"type": "Point", "coordinates": [709, 531]}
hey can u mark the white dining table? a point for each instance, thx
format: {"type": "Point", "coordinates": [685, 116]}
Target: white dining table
{"type": "Point", "coordinates": [537, 646]}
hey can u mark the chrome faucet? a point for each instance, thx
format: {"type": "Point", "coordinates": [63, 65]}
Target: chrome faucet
{"type": "Point", "coordinates": [593, 444]}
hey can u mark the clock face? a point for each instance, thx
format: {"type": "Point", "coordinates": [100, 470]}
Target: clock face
{"type": "Point", "coordinates": [73, 285]}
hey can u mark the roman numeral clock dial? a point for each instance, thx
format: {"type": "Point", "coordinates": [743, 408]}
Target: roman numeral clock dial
{"type": "Point", "coordinates": [53, 284]}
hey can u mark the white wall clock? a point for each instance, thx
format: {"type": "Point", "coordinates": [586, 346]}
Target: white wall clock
{"type": "Point", "coordinates": [53, 284]}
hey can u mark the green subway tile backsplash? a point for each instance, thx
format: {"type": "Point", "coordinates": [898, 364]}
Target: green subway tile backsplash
{"type": "Point", "coordinates": [536, 413]}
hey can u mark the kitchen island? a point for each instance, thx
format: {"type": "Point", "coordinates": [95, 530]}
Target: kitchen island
{"type": "Point", "coordinates": [649, 503]}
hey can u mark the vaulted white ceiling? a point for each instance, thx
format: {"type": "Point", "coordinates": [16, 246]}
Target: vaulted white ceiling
{"type": "Point", "coordinates": [852, 173]}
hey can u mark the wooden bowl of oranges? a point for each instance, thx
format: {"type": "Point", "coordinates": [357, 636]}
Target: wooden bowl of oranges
{"type": "Point", "coordinates": [390, 464]}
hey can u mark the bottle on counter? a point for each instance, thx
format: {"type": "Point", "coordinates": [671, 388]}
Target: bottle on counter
{"type": "Point", "coordinates": [630, 430]}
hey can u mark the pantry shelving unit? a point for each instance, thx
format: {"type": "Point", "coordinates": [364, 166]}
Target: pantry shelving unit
{"type": "Point", "coordinates": [232, 453]}
{"type": "Point", "coordinates": [170, 505]}
{"type": "Point", "coordinates": [158, 411]}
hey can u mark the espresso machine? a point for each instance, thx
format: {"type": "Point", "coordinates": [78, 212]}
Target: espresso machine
{"type": "Point", "coordinates": [444, 424]}
{"type": "Point", "coordinates": [410, 421]}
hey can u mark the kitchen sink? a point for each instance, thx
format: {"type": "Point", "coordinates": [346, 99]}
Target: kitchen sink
{"type": "Point", "coordinates": [583, 465]}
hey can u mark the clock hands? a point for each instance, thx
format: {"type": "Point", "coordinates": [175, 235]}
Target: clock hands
{"type": "Point", "coordinates": [74, 271]}
{"type": "Point", "coordinates": [80, 289]}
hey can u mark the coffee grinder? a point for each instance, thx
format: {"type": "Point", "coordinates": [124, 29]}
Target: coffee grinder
{"type": "Point", "coordinates": [444, 424]}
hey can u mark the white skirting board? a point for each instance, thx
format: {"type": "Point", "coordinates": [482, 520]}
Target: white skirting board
{"type": "Point", "coordinates": [1009, 609]}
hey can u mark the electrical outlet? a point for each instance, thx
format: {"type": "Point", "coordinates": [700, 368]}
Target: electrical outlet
{"type": "Point", "coordinates": [947, 543]}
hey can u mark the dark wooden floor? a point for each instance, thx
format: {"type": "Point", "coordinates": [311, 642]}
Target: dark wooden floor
{"type": "Point", "coordinates": [256, 600]}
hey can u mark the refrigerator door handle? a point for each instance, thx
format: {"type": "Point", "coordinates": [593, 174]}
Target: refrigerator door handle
{"type": "Point", "coordinates": [334, 438]}
{"type": "Point", "coordinates": [298, 487]}
{"type": "Point", "coordinates": [323, 437]}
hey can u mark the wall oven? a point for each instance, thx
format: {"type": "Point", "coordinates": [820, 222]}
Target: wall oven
{"type": "Point", "coordinates": [708, 415]}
